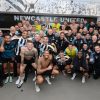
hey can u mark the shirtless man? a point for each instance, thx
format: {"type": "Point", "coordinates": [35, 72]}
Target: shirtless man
{"type": "Point", "coordinates": [45, 69]}
{"type": "Point", "coordinates": [29, 55]}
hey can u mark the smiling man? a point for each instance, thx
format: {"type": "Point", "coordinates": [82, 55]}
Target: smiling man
{"type": "Point", "coordinates": [29, 55]}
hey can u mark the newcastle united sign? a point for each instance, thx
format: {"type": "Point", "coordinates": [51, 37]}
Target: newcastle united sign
{"type": "Point", "coordinates": [9, 19]}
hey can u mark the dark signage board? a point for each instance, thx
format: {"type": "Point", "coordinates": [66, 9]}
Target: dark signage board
{"type": "Point", "coordinates": [9, 19]}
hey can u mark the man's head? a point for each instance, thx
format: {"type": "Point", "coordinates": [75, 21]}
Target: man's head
{"type": "Point", "coordinates": [79, 54]}
{"type": "Point", "coordinates": [29, 45]}
{"type": "Point", "coordinates": [46, 54]}
{"type": "Point", "coordinates": [43, 27]}
{"type": "Point", "coordinates": [16, 27]}
{"type": "Point", "coordinates": [85, 47]}
{"type": "Point", "coordinates": [94, 38]}
{"type": "Point", "coordinates": [37, 37]}
{"type": "Point", "coordinates": [88, 36]}
{"type": "Point", "coordinates": [22, 29]}
{"type": "Point", "coordinates": [54, 30]}
{"type": "Point", "coordinates": [45, 40]}
{"type": "Point", "coordinates": [73, 21]}
{"type": "Point", "coordinates": [56, 21]}
{"type": "Point", "coordinates": [24, 34]}
{"type": "Point", "coordinates": [36, 22]}
{"type": "Point", "coordinates": [61, 54]}
{"type": "Point", "coordinates": [69, 33]}
{"type": "Point", "coordinates": [20, 24]}
{"type": "Point", "coordinates": [70, 46]}
{"type": "Point", "coordinates": [97, 49]}
{"type": "Point", "coordinates": [7, 38]}
{"type": "Point", "coordinates": [63, 27]}
{"type": "Point", "coordinates": [65, 22]}
{"type": "Point", "coordinates": [62, 35]}
{"type": "Point", "coordinates": [91, 29]}
{"type": "Point", "coordinates": [81, 25]}
{"type": "Point", "coordinates": [12, 30]}
{"type": "Point", "coordinates": [41, 33]}
{"type": "Point", "coordinates": [78, 36]}
{"type": "Point", "coordinates": [50, 31]}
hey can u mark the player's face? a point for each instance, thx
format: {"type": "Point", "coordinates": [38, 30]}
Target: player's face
{"type": "Point", "coordinates": [79, 54]}
{"type": "Point", "coordinates": [85, 47]}
{"type": "Point", "coordinates": [70, 46]}
{"type": "Point", "coordinates": [97, 49]}
{"type": "Point", "coordinates": [62, 36]}
{"type": "Point", "coordinates": [37, 37]}
{"type": "Point", "coordinates": [50, 31]}
{"type": "Point", "coordinates": [7, 39]}
{"type": "Point", "coordinates": [61, 54]}
{"type": "Point", "coordinates": [29, 46]}
{"type": "Point", "coordinates": [25, 34]}
{"type": "Point", "coordinates": [46, 54]}
{"type": "Point", "coordinates": [45, 39]}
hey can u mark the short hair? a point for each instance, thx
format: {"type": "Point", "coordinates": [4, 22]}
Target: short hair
{"type": "Point", "coordinates": [97, 45]}
{"type": "Point", "coordinates": [25, 31]}
{"type": "Point", "coordinates": [80, 52]}
{"type": "Point", "coordinates": [70, 44]}
{"type": "Point", "coordinates": [46, 36]}
{"type": "Point", "coordinates": [62, 33]}
{"type": "Point", "coordinates": [29, 41]}
{"type": "Point", "coordinates": [61, 51]}
{"type": "Point", "coordinates": [7, 35]}
{"type": "Point", "coordinates": [47, 51]}
{"type": "Point", "coordinates": [84, 43]}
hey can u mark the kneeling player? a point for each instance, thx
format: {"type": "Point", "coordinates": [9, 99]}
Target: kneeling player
{"type": "Point", "coordinates": [63, 62]}
{"type": "Point", "coordinates": [80, 66]}
{"type": "Point", "coordinates": [45, 69]}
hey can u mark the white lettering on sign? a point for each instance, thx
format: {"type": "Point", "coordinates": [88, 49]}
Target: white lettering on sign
{"type": "Point", "coordinates": [19, 18]}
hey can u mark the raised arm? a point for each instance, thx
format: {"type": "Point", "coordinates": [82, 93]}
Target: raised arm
{"type": "Point", "coordinates": [2, 46]}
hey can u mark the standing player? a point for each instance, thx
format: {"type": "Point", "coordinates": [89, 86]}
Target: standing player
{"type": "Point", "coordinates": [29, 55]}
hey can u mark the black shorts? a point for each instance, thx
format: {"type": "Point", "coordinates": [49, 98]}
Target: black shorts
{"type": "Point", "coordinates": [6, 60]}
{"type": "Point", "coordinates": [61, 67]}
{"type": "Point", "coordinates": [18, 59]}
{"type": "Point", "coordinates": [46, 73]}
{"type": "Point", "coordinates": [32, 60]}
{"type": "Point", "coordinates": [69, 61]}
{"type": "Point", "coordinates": [77, 70]}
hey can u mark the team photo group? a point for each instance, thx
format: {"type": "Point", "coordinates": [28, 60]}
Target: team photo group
{"type": "Point", "coordinates": [47, 50]}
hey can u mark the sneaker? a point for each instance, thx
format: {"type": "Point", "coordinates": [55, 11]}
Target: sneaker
{"type": "Point", "coordinates": [1, 84]}
{"type": "Point", "coordinates": [20, 84]}
{"type": "Point", "coordinates": [48, 80]}
{"type": "Point", "coordinates": [37, 88]}
{"type": "Point", "coordinates": [83, 79]}
{"type": "Point", "coordinates": [74, 75]}
{"type": "Point", "coordinates": [18, 80]}
{"type": "Point", "coordinates": [10, 79]}
{"type": "Point", "coordinates": [6, 81]}
{"type": "Point", "coordinates": [25, 79]}
{"type": "Point", "coordinates": [34, 78]}
{"type": "Point", "coordinates": [64, 73]}
{"type": "Point", "coordinates": [52, 77]}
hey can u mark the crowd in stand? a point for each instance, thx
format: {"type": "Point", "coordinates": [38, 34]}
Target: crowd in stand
{"type": "Point", "coordinates": [46, 50]}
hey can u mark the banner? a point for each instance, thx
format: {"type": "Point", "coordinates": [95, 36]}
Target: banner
{"type": "Point", "coordinates": [9, 19]}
